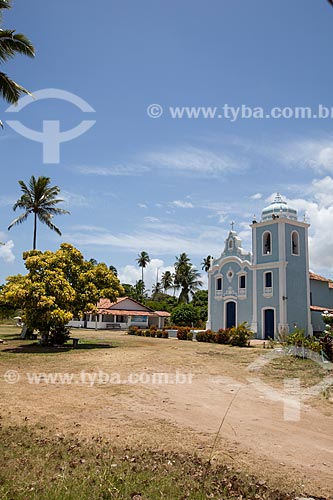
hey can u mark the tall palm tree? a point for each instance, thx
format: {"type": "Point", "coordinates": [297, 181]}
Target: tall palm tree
{"type": "Point", "coordinates": [186, 278]}
{"type": "Point", "coordinates": [38, 198]}
{"type": "Point", "coordinates": [167, 281]}
{"type": "Point", "coordinates": [142, 260]}
{"type": "Point", "coordinates": [205, 264]}
{"type": "Point", "coordinates": [12, 43]}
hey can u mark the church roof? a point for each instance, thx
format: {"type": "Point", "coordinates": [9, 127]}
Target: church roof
{"type": "Point", "coordinates": [278, 208]}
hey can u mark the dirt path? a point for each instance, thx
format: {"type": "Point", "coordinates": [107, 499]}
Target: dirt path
{"type": "Point", "coordinates": [184, 416]}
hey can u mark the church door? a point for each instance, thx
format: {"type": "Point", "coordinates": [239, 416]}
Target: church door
{"type": "Point", "coordinates": [230, 314]}
{"type": "Point", "coordinates": [269, 323]}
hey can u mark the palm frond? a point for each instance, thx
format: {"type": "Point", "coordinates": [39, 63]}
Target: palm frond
{"type": "Point", "coordinates": [19, 220]}
{"type": "Point", "coordinates": [10, 90]}
{"type": "Point", "coordinates": [12, 43]}
{"type": "Point", "coordinates": [46, 219]}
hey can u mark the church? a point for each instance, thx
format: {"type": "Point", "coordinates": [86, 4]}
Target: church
{"type": "Point", "coordinates": [270, 288]}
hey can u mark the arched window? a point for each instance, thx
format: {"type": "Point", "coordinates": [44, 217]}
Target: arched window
{"type": "Point", "coordinates": [266, 243]}
{"type": "Point", "coordinates": [268, 284]}
{"type": "Point", "coordinates": [218, 286]}
{"type": "Point", "coordinates": [295, 243]}
{"type": "Point", "coordinates": [230, 244]}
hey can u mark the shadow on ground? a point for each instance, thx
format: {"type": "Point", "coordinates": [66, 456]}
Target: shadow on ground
{"type": "Point", "coordinates": [40, 349]}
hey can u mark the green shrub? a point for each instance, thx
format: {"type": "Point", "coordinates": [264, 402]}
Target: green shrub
{"type": "Point", "coordinates": [302, 341]}
{"type": "Point", "coordinates": [165, 335]}
{"type": "Point", "coordinates": [159, 334]}
{"type": "Point", "coordinates": [189, 336]}
{"type": "Point", "coordinates": [240, 335]}
{"type": "Point", "coordinates": [184, 315]}
{"type": "Point", "coordinates": [58, 336]}
{"type": "Point", "coordinates": [223, 336]}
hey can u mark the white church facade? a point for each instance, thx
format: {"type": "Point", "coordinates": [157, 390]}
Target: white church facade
{"type": "Point", "coordinates": [271, 287]}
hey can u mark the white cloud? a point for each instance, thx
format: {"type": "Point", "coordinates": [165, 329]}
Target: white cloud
{"type": "Point", "coordinates": [256, 196]}
{"type": "Point", "coordinates": [182, 204]}
{"type": "Point", "coordinates": [156, 267]}
{"type": "Point", "coordinates": [142, 205]}
{"type": "Point", "coordinates": [190, 160]}
{"type": "Point", "coordinates": [114, 170]}
{"type": "Point", "coordinates": [151, 219]}
{"type": "Point", "coordinates": [6, 250]}
{"type": "Point", "coordinates": [74, 199]}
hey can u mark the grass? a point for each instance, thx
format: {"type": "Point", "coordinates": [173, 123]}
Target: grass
{"type": "Point", "coordinates": [36, 464]}
{"type": "Point", "coordinates": [307, 371]}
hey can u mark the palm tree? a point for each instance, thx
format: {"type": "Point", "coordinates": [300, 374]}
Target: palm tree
{"type": "Point", "coordinates": [205, 264]}
{"type": "Point", "coordinates": [156, 289]}
{"type": "Point", "coordinates": [38, 198]}
{"type": "Point", "coordinates": [167, 281]}
{"type": "Point", "coordinates": [142, 260]}
{"type": "Point", "coordinates": [12, 43]}
{"type": "Point", "coordinates": [186, 277]}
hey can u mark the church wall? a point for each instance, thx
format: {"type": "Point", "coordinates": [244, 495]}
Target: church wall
{"type": "Point", "coordinates": [230, 292]}
{"type": "Point", "coordinates": [267, 302]}
{"type": "Point", "coordinates": [321, 294]}
{"type": "Point", "coordinates": [274, 256]}
{"type": "Point", "coordinates": [297, 276]}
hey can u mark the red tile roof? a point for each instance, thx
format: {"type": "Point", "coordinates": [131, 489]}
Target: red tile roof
{"type": "Point", "coordinates": [123, 312]}
{"type": "Point", "coordinates": [320, 309]}
{"type": "Point", "coordinates": [105, 306]}
{"type": "Point", "coordinates": [317, 277]}
{"type": "Point", "coordinates": [163, 314]}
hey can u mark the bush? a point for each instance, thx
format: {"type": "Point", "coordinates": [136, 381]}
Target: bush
{"type": "Point", "coordinates": [159, 334]}
{"type": "Point", "coordinates": [207, 336]}
{"type": "Point", "coordinates": [183, 332]}
{"type": "Point", "coordinates": [133, 330]}
{"type": "Point", "coordinates": [189, 336]}
{"type": "Point", "coordinates": [240, 335]}
{"type": "Point", "coordinates": [165, 335]}
{"type": "Point", "coordinates": [302, 341]}
{"type": "Point", "coordinates": [222, 336]}
{"type": "Point", "coordinates": [184, 315]}
{"type": "Point", "coordinates": [58, 336]}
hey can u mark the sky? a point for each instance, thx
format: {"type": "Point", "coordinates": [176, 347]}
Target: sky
{"type": "Point", "coordinates": [136, 181]}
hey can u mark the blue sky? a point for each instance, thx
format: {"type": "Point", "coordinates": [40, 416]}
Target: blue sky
{"type": "Point", "coordinates": [164, 185]}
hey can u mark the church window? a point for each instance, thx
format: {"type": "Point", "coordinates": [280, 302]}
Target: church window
{"type": "Point", "coordinates": [242, 281]}
{"type": "Point", "coordinates": [267, 243]}
{"type": "Point", "coordinates": [295, 243]}
{"type": "Point", "coordinates": [218, 284]}
{"type": "Point", "coordinates": [230, 244]}
{"type": "Point", "coordinates": [268, 280]}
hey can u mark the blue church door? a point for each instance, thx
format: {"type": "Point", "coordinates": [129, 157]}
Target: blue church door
{"type": "Point", "coordinates": [269, 323]}
{"type": "Point", "coordinates": [231, 314]}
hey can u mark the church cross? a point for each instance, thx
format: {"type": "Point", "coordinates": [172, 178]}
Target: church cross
{"type": "Point", "coordinates": [232, 225]}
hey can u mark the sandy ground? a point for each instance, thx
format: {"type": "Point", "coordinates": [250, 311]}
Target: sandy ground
{"type": "Point", "coordinates": [216, 386]}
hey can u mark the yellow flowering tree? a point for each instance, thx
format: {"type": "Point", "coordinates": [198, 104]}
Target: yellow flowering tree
{"type": "Point", "coordinates": [59, 286]}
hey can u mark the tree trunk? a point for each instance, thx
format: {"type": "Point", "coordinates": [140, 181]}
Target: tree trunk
{"type": "Point", "coordinates": [35, 231]}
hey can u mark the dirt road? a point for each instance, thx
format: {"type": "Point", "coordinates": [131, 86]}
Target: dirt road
{"type": "Point", "coordinates": [185, 416]}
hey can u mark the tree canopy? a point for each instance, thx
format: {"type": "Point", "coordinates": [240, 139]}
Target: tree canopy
{"type": "Point", "coordinates": [59, 286]}
{"type": "Point", "coordinates": [40, 199]}
{"type": "Point", "coordinates": [11, 44]}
